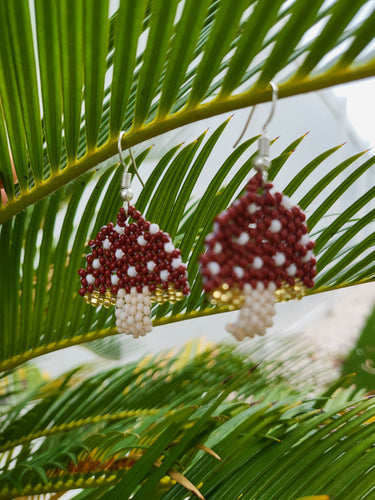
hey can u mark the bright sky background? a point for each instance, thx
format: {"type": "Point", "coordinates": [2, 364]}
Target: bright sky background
{"type": "Point", "coordinates": [360, 107]}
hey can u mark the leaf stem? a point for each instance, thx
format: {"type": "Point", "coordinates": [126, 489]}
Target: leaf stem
{"type": "Point", "coordinates": [19, 359]}
{"type": "Point", "coordinates": [56, 429]}
{"type": "Point", "coordinates": [64, 483]}
{"type": "Point", "coordinates": [185, 116]}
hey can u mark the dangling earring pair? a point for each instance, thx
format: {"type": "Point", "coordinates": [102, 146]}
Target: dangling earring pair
{"type": "Point", "coordinates": [132, 264]}
{"type": "Point", "coordinates": [259, 250]}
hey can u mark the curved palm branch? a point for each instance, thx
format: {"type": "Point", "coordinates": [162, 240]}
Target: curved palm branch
{"type": "Point", "coordinates": [152, 67]}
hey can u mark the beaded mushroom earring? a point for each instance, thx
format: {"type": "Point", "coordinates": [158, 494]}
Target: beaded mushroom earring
{"type": "Point", "coordinates": [259, 251]}
{"type": "Point", "coordinates": [132, 264]}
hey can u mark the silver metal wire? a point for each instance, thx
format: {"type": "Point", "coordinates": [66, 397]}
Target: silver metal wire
{"type": "Point", "coordinates": [126, 167]}
{"type": "Point", "coordinates": [275, 94]}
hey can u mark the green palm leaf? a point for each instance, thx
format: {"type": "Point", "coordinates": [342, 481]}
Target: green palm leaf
{"type": "Point", "coordinates": [73, 75]}
{"type": "Point", "coordinates": [110, 430]}
{"type": "Point", "coordinates": [179, 60]}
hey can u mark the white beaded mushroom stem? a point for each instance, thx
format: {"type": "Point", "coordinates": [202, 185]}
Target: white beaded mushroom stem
{"type": "Point", "coordinates": [256, 313]}
{"type": "Point", "coordinates": [133, 312]}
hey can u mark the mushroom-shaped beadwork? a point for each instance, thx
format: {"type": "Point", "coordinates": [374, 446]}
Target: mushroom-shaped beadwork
{"type": "Point", "coordinates": [259, 251]}
{"type": "Point", "coordinates": [131, 265]}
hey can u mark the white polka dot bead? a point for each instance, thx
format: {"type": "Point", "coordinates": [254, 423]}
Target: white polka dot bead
{"type": "Point", "coordinates": [257, 263]}
{"type": "Point", "coordinates": [164, 275]}
{"type": "Point", "coordinates": [90, 279]}
{"type": "Point", "coordinates": [291, 270]}
{"type": "Point", "coordinates": [214, 268]}
{"type": "Point", "coordinates": [239, 272]}
{"type": "Point", "coordinates": [141, 240]}
{"type": "Point", "coordinates": [218, 248]}
{"type": "Point", "coordinates": [169, 247]}
{"type": "Point", "coordinates": [275, 226]}
{"type": "Point", "coordinates": [132, 272]}
{"type": "Point", "coordinates": [286, 202]}
{"type": "Point", "coordinates": [176, 263]}
{"type": "Point", "coordinates": [119, 229]}
{"type": "Point", "coordinates": [252, 208]}
{"type": "Point", "coordinates": [151, 265]}
{"type": "Point", "coordinates": [243, 238]}
{"type": "Point", "coordinates": [304, 240]}
{"type": "Point", "coordinates": [279, 258]}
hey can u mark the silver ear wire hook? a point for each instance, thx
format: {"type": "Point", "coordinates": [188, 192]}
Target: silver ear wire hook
{"type": "Point", "coordinates": [263, 162]}
{"type": "Point", "coordinates": [126, 192]}
{"type": "Point", "coordinates": [126, 167]}
{"type": "Point", "coordinates": [245, 127]}
{"type": "Point", "coordinates": [275, 93]}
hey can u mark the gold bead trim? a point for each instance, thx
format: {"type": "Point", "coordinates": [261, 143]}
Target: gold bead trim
{"type": "Point", "coordinates": [287, 292]}
{"type": "Point", "coordinates": [234, 297]}
{"type": "Point", "coordinates": [159, 295]}
{"type": "Point", "coordinates": [96, 299]}
{"type": "Point", "coordinates": [170, 295]}
{"type": "Point", "coordinates": [225, 296]}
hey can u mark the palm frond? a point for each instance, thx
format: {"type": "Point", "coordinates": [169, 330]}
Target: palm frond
{"type": "Point", "coordinates": [213, 421]}
{"type": "Point", "coordinates": [120, 432]}
{"type": "Point", "coordinates": [150, 51]}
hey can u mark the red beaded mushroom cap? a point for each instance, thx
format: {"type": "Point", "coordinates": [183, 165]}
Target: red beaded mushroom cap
{"type": "Point", "coordinates": [262, 237]}
{"type": "Point", "coordinates": [132, 254]}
